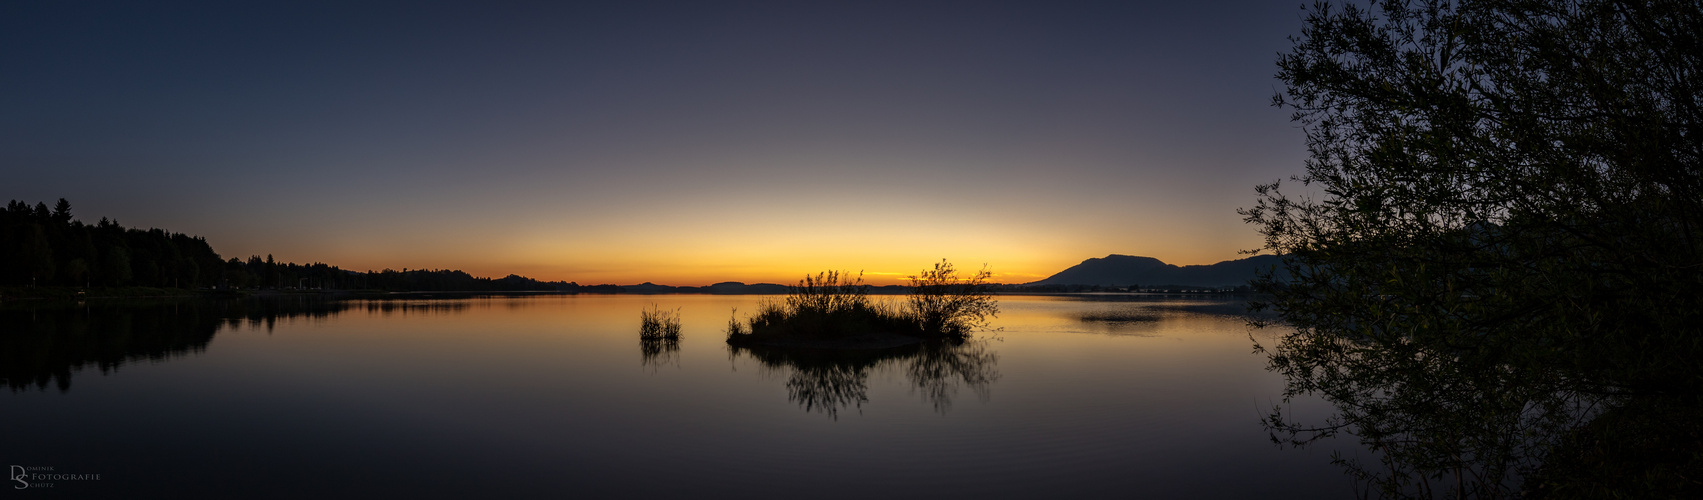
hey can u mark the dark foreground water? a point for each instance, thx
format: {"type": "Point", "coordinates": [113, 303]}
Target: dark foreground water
{"type": "Point", "coordinates": [555, 396]}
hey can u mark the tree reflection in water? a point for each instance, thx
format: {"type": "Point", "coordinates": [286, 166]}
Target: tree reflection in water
{"type": "Point", "coordinates": [829, 380]}
{"type": "Point", "coordinates": [43, 343]}
{"type": "Point", "coordinates": [1467, 424]}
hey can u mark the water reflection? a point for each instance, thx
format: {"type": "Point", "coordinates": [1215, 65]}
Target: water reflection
{"type": "Point", "coordinates": [44, 343]}
{"type": "Point", "coordinates": [655, 352]}
{"type": "Point", "coordinates": [939, 369]}
{"type": "Point", "coordinates": [1444, 421]}
{"type": "Point", "coordinates": [1126, 321]}
{"type": "Point", "coordinates": [417, 401]}
{"type": "Point", "coordinates": [1139, 314]}
{"type": "Point", "coordinates": [412, 306]}
{"type": "Point", "coordinates": [1145, 306]}
{"type": "Point", "coordinates": [830, 380]}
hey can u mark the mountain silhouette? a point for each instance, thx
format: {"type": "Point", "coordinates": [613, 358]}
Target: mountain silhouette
{"type": "Point", "coordinates": [1126, 270]}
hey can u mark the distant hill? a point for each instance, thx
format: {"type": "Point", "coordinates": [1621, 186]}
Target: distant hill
{"type": "Point", "coordinates": [1126, 270]}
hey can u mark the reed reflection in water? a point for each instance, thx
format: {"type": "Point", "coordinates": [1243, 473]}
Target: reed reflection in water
{"type": "Point", "coordinates": [830, 380]}
{"type": "Point", "coordinates": [656, 352]}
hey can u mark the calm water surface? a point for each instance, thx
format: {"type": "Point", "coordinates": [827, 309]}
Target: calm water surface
{"type": "Point", "coordinates": [548, 396]}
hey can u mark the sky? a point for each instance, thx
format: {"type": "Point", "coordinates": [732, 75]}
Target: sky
{"type": "Point", "coordinates": [682, 143]}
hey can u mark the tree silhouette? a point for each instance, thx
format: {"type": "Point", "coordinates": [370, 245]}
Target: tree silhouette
{"type": "Point", "coordinates": [1508, 228]}
{"type": "Point", "coordinates": [62, 212]}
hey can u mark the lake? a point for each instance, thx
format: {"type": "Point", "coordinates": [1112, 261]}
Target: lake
{"type": "Point", "coordinates": [554, 395]}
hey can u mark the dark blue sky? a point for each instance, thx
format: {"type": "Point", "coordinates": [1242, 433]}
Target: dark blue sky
{"type": "Point", "coordinates": [681, 142]}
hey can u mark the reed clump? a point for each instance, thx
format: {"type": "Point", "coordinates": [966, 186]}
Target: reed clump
{"type": "Point", "coordinates": [656, 323]}
{"type": "Point", "coordinates": [736, 327]}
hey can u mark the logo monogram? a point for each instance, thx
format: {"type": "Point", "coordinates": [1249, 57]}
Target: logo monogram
{"type": "Point", "coordinates": [18, 475]}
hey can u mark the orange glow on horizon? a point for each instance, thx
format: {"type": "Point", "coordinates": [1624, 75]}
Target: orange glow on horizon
{"type": "Point", "coordinates": [690, 241]}
{"type": "Point", "coordinates": [878, 270]}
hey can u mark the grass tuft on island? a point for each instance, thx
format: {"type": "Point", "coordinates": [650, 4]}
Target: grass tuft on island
{"type": "Point", "coordinates": [834, 310]}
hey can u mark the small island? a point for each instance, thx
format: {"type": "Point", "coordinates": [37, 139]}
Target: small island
{"type": "Point", "coordinates": [833, 310]}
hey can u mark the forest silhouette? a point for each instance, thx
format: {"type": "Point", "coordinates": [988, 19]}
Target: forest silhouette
{"type": "Point", "coordinates": [43, 247]}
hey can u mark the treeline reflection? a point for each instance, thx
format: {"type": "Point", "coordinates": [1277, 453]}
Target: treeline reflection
{"type": "Point", "coordinates": [831, 380]}
{"type": "Point", "coordinates": [43, 344]}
